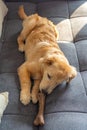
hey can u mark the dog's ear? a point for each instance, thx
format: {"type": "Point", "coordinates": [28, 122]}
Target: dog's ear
{"type": "Point", "coordinates": [48, 60]}
{"type": "Point", "coordinates": [72, 73]}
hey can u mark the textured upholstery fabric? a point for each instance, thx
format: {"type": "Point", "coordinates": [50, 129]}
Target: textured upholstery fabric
{"type": "Point", "coordinates": [66, 107]}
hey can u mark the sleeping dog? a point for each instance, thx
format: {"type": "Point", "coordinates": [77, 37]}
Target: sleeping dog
{"type": "Point", "coordinates": [44, 62]}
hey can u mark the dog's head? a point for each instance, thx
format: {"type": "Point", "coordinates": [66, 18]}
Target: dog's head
{"type": "Point", "coordinates": [55, 71]}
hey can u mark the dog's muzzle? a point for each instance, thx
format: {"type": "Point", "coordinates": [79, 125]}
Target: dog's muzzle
{"type": "Point", "coordinates": [44, 92]}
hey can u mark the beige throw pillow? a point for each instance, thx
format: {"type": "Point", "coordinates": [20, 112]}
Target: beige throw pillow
{"type": "Point", "coordinates": [3, 12]}
{"type": "Point", "coordinates": [4, 98]}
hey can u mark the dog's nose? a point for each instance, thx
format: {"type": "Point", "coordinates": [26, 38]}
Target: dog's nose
{"type": "Point", "coordinates": [44, 91]}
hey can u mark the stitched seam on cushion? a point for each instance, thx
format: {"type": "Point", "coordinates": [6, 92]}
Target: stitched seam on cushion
{"type": "Point", "coordinates": [14, 114]}
{"type": "Point", "coordinates": [80, 39]}
{"type": "Point", "coordinates": [17, 114]}
{"type": "Point", "coordinates": [84, 84]}
{"type": "Point", "coordinates": [65, 112]}
{"type": "Point", "coordinates": [70, 22]}
{"type": "Point", "coordinates": [78, 58]}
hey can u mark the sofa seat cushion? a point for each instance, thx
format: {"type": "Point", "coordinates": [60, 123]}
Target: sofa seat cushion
{"type": "Point", "coordinates": [66, 107]}
{"type": "Point", "coordinates": [65, 121]}
{"type": "Point", "coordinates": [17, 122]}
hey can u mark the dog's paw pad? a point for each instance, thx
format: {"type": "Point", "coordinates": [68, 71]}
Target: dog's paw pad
{"type": "Point", "coordinates": [25, 97]}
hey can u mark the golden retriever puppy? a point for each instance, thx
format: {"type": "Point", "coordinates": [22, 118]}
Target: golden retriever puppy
{"type": "Point", "coordinates": [44, 62]}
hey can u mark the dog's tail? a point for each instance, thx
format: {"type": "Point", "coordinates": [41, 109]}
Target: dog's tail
{"type": "Point", "coordinates": [22, 13]}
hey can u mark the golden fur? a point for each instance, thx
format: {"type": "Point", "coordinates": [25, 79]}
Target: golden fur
{"type": "Point", "coordinates": [45, 63]}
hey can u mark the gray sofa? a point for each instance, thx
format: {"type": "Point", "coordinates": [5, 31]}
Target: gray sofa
{"type": "Point", "coordinates": [66, 107]}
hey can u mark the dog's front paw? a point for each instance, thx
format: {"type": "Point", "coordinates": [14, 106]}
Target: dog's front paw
{"type": "Point", "coordinates": [34, 97]}
{"type": "Point", "coordinates": [25, 97]}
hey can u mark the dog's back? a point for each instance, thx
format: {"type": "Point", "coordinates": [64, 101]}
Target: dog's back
{"type": "Point", "coordinates": [39, 29]}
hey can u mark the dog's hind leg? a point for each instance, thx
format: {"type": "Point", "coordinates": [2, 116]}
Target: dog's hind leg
{"type": "Point", "coordinates": [21, 39]}
{"type": "Point", "coordinates": [25, 82]}
{"type": "Point", "coordinates": [35, 90]}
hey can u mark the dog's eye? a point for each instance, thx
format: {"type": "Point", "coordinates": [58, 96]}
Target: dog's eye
{"type": "Point", "coordinates": [48, 76]}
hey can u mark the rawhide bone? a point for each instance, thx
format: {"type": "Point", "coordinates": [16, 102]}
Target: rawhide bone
{"type": "Point", "coordinates": [39, 120]}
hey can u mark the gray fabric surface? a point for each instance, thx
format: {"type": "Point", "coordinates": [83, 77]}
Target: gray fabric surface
{"type": "Point", "coordinates": [45, 8]}
{"type": "Point", "coordinates": [13, 9]}
{"type": "Point", "coordinates": [17, 122]}
{"type": "Point", "coordinates": [65, 121]}
{"type": "Point", "coordinates": [66, 107]}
